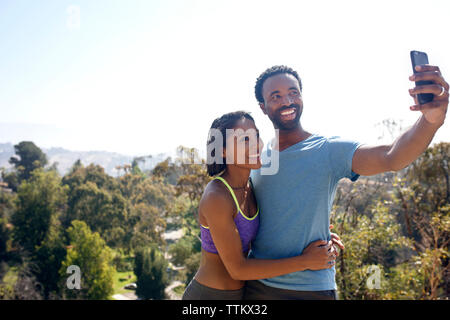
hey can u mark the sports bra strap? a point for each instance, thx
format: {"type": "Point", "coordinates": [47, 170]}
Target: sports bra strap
{"type": "Point", "coordinates": [231, 190]}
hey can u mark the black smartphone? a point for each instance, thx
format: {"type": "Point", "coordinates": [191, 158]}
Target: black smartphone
{"type": "Point", "coordinates": [419, 58]}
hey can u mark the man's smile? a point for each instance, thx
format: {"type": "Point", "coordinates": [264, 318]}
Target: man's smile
{"type": "Point", "coordinates": [288, 113]}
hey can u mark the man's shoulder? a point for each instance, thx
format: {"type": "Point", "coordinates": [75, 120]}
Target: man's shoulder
{"type": "Point", "coordinates": [330, 139]}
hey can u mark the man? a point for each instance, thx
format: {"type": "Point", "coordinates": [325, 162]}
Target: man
{"type": "Point", "coordinates": [296, 201]}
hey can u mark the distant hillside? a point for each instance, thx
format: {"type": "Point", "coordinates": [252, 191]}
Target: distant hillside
{"type": "Point", "coordinates": [66, 158]}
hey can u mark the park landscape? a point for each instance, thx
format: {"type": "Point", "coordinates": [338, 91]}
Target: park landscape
{"type": "Point", "coordinates": [136, 235]}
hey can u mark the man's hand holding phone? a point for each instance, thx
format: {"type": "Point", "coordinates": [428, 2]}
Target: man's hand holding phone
{"type": "Point", "coordinates": [435, 110]}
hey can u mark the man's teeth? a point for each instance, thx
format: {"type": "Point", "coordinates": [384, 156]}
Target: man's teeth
{"type": "Point", "coordinates": [289, 111]}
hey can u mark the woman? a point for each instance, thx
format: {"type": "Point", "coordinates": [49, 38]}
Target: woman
{"type": "Point", "coordinates": [229, 219]}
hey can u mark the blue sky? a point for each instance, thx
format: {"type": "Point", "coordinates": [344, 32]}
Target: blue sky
{"type": "Point", "coordinates": [141, 77]}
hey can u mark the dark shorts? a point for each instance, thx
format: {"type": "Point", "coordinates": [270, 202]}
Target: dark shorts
{"type": "Point", "coordinates": [256, 290]}
{"type": "Point", "coordinates": [197, 291]}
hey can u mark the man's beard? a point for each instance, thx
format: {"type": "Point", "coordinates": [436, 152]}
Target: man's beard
{"type": "Point", "coordinates": [287, 124]}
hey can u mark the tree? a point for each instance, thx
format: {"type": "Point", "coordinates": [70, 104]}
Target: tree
{"type": "Point", "coordinates": [422, 197]}
{"type": "Point", "coordinates": [4, 237]}
{"type": "Point", "coordinates": [151, 272]}
{"type": "Point", "coordinates": [103, 211]}
{"type": "Point", "coordinates": [39, 201]}
{"type": "Point", "coordinates": [373, 242]}
{"type": "Point", "coordinates": [192, 265]}
{"type": "Point", "coordinates": [399, 224]}
{"type": "Point", "coordinates": [151, 201]}
{"type": "Point", "coordinates": [6, 209]}
{"type": "Point", "coordinates": [148, 226]}
{"type": "Point", "coordinates": [167, 170]}
{"type": "Point", "coordinates": [26, 287]}
{"type": "Point", "coordinates": [48, 258]}
{"type": "Point", "coordinates": [96, 198]}
{"type": "Point", "coordinates": [30, 158]}
{"type": "Point", "coordinates": [191, 183]}
{"type": "Point", "coordinates": [88, 251]}
{"type": "Point", "coordinates": [181, 251]}
{"type": "Point", "coordinates": [194, 177]}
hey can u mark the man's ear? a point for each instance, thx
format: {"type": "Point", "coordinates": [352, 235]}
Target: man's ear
{"type": "Point", "coordinates": [263, 107]}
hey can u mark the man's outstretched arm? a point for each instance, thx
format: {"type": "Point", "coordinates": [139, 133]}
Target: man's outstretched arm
{"type": "Point", "coordinates": [411, 144]}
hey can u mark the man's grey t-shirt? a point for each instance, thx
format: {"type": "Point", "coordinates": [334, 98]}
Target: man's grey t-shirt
{"type": "Point", "coordinates": [295, 205]}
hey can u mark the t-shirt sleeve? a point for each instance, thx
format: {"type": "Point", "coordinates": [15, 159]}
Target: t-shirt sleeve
{"type": "Point", "coordinates": [341, 153]}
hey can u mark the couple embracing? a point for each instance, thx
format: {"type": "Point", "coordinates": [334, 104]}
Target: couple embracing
{"type": "Point", "coordinates": [267, 236]}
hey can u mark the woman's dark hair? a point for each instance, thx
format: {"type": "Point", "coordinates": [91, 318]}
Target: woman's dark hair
{"type": "Point", "coordinates": [227, 121]}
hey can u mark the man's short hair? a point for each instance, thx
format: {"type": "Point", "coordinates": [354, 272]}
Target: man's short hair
{"type": "Point", "coordinates": [269, 73]}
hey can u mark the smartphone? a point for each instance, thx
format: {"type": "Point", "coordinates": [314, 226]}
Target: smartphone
{"type": "Point", "coordinates": [419, 58]}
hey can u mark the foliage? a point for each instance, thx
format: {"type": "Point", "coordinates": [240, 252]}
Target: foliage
{"type": "Point", "coordinates": [395, 225]}
{"type": "Point", "coordinates": [410, 246]}
{"type": "Point", "coordinates": [192, 264]}
{"type": "Point", "coordinates": [89, 252]}
{"type": "Point", "coordinates": [30, 157]}
{"type": "Point", "coordinates": [151, 272]}
{"type": "Point", "coordinates": [374, 241]}
{"type": "Point", "coordinates": [6, 209]}
{"type": "Point", "coordinates": [422, 197]}
{"type": "Point", "coordinates": [96, 199]}
{"type": "Point", "coordinates": [39, 201]}
{"type": "Point", "coordinates": [123, 263]}
{"type": "Point", "coordinates": [167, 170]}
{"type": "Point", "coordinates": [193, 177]}
{"type": "Point", "coordinates": [181, 251]}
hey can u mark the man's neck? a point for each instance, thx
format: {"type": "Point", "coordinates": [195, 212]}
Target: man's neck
{"type": "Point", "coordinates": [287, 138]}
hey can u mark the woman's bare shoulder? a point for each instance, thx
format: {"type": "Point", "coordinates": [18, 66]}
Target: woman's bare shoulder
{"type": "Point", "coordinates": [215, 200]}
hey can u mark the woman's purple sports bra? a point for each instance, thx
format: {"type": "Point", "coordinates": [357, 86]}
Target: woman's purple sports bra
{"type": "Point", "coordinates": [247, 227]}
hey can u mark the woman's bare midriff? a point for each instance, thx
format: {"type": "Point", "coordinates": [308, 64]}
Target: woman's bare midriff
{"type": "Point", "coordinates": [212, 273]}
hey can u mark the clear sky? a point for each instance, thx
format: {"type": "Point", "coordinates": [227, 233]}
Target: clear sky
{"type": "Point", "coordinates": [142, 77]}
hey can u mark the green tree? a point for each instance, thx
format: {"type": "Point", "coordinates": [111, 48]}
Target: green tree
{"type": "Point", "coordinates": [96, 198]}
{"type": "Point", "coordinates": [181, 251]}
{"type": "Point", "coordinates": [399, 223]}
{"type": "Point", "coordinates": [191, 184]}
{"type": "Point", "coordinates": [422, 197]}
{"type": "Point", "coordinates": [4, 237]}
{"type": "Point", "coordinates": [102, 210]}
{"type": "Point", "coordinates": [151, 201]}
{"type": "Point", "coordinates": [149, 225]}
{"type": "Point", "coordinates": [39, 201]}
{"type": "Point", "coordinates": [30, 157]}
{"type": "Point", "coordinates": [6, 210]}
{"type": "Point", "coordinates": [11, 179]}
{"type": "Point", "coordinates": [192, 264]}
{"type": "Point", "coordinates": [89, 252]}
{"type": "Point", "coordinates": [194, 177]}
{"type": "Point", "coordinates": [26, 286]}
{"type": "Point", "coordinates": [373, 241]}
{"type": "Point", "coordinates": [167, 170]}
{"type": "Point", "coordinates": [151, 272]}
{"type": "Point", "coordinates": [48, 258]}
